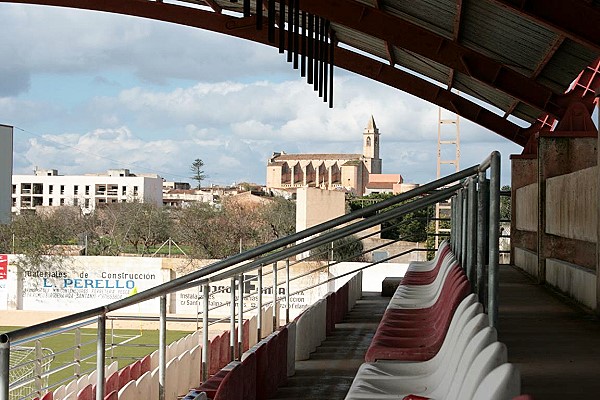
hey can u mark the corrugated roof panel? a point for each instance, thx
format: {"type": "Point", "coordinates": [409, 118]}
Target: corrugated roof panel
{"type": "Point", "coordinates": [527, 113]}
{"type": "Point", "coordinates": [422, 65]}
{"type": "Point", "coordinates": [504, 36]}
{"type": "Point", "coordinates": [566, 64]}
{"type": "Point", "coordinates": [436, 15]}
{"type": "Point", "coordinates": [483, 92]}
{"type": "Point", "coordinates": [360, 41]}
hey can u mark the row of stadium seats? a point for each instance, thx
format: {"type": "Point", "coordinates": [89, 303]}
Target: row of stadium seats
{"type": "Point", "coordinates": [435, 342]}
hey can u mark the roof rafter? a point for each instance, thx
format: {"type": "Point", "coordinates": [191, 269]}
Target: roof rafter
{"type": "Point", "coordinates": [389, 48]}
{"type": "Point", "coordinates": [245, 28]}
{"type": "Point", "coordinates": [456, 35]}
{"type": "Point", "coordinates": [406, 35]}
{"type": "Point", "coordinates": [577, 19]}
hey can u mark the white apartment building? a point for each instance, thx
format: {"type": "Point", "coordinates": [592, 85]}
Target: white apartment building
{"type": "Point", "coordinates": [48, 188]}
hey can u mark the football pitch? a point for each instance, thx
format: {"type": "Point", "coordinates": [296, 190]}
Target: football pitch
{"type": "Point", "coordinates": [123, 345]}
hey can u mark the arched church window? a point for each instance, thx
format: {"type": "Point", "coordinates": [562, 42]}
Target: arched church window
{"type": "Point", "coordinates": [368, 141]}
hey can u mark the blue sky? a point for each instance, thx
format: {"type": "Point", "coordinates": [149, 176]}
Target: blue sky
{"type": "Point", "coordinates": [88, 91]}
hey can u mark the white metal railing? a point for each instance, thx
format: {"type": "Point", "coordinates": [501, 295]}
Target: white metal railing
{"type": "Point", "coordinates": [475, 211]}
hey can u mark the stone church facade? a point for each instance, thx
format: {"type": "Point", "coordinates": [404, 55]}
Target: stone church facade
{"type": "Point", "coordinates": [349, 172]}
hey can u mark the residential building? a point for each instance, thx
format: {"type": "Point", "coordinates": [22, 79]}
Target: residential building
{"type": "Point", "coordinates": [388, 183]}
{"type": "Point", "coordinates": [48, 188]}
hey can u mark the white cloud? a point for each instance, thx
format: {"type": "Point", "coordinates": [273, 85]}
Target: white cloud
{"type": "Point", "coordinates": [165, 95]}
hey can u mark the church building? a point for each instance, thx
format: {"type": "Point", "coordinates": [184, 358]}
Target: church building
{"type": "Point", "coordinates": [349, 172]}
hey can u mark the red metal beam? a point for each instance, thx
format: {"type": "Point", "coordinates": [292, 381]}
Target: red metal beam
{"type": "Point", "coordinates": [245, 28]}
{"type": "Point", "coordinates": [577, 19]}
{"type": "Point", "coordinates": [406, 35]}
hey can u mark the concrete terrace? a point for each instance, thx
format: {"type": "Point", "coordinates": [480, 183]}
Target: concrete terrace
{"type": "Point", "coordinates": [553, 341]}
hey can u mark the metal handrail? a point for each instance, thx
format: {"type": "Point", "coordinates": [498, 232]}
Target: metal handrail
{"type": "Point", "coordinates": [291, 245]}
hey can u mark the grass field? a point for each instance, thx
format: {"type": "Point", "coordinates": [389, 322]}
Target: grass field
{"type": "Point", "coordinates": [128, 346]}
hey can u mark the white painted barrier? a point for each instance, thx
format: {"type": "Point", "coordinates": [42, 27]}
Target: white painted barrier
{"type": "Point", "coordinates": [291, 349]}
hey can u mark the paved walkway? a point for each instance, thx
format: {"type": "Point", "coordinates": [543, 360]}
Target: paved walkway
{"type": "Point", "coordinates": [331, 369]}
{"type": "Point", "coordinates": [554, 342]}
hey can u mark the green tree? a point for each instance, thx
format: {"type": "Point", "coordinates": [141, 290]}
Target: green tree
{"type": "Point", "coordinates": [411, 227]}
{"type": "Point", "coordinates": [198, 172]}
{"type": "Point", "coordinates": [505, 211]}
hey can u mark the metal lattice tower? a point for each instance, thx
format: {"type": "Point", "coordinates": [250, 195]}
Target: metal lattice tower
{"type": "Point", "coordinates": [448, 146]}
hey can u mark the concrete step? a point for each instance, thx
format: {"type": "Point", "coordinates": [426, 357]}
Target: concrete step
{"type": "Point", "coordinates": [329, 372]}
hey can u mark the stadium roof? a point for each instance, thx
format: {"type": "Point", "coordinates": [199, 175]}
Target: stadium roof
{"type": "Point", "coordinates": [510, 61]}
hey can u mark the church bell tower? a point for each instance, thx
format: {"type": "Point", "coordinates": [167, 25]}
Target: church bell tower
{"type": "Point", "coordinates": [371, 147]}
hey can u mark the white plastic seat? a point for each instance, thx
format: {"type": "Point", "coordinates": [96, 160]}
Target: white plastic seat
{"type": "Point", "coordinates": [428, 265]}
{"type": "Point", "coordinates": [421, 296]}
{"type": "Point", "coordinates": [462, 328]}
{"type": "Point", "coordinates": [129, 391]}
{"type": "Point", "coordinates": [503, 383]}
{"type": "Point", "coordinates": [143, 385]}
{"type": "Point", "coordinates": [436, 383]}
{"type": "Point", "coordinates": [488, 359]}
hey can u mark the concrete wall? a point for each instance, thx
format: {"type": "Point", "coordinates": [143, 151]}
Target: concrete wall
{"type": "Point", "coordinates": [314, 206]}
{"type": "Point", "coordinates": [579, 283]}
{"type": "Point", "coordinates": [526, 210]}
{"type": "Point", "coordinates": [555, 218]}
{"type": "Point", "coordinates": [526, 260]}
{"type": "Point", "coordinates": [6, 158]}
{"type": "Point", "coordinates": [571, 205]}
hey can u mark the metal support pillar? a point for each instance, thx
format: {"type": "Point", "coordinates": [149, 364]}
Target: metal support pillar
{"type": "Point", "coordinates": [241, 319]}
{"type": "Point", "coordinates": [482, 232]}
{"type": "Point", "coordinates": [494, 236]}
{"type": "Point", "coordinates": [275, 303]}
{"type": "Point", "coordinates": [100, 360]}
{"type": "Point", "coordinates": [458, 223]}
{"type": "Point", "coordinates": [453, 213]}
{"type": "Point", "coordinates": [259, 316]}
{"type": "Point", "coordinates": [287, 291]}
{"type": "Point", "coordinates": [463, 229]}
{"type": "Point", "coordinates": [205, 348]}
{"type": "Point", "coordinates": [471, 231]}
{"type": "Point", "coordinates": [162, 348]}
{"type": "Point", "coordinates": [232, 340]}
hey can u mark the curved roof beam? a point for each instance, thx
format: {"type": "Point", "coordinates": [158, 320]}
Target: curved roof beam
{"type": "Point", "coordinates": [576, 19]}
{"type": "Point", "coordinates": [406, 35]}
{"type": "Point", "coordinates": [245, 28]}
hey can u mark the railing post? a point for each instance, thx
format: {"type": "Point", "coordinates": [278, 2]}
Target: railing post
{"type": "Point", "coordinates": [77, 353]}
{"type": "Point", "coordinates": [38, 367]}
{"type": "Point", "coordinates": [100, 356]}
{"type": "Point", "coordinates": [453, 213]}
{"type": "Point", "coordinates": [464, 229]}
{"type": "Point", "coordinates": [472, 231]}
{"type": "Point", "coordinates": [232, 341]}
{"type": "Point", "coordinates": [458, 249]}
{"type": "Point", "coordinates": [482, 232]}
{"type": "Point", "coordinates": [287, 291]}
{"type": "Point", "coordinates": [162, 348]}
{"type": "Point", "coordinates": [241, 319]}
{"type": "Point", "coordinates": [4, 366]}
{"type": "Point", "coordinates": [205, 347]}
{"type": "Point", "coordinates": [275, 303]}
{"type": "Point", "coordinates": [259, 316]}
{"type": "Point", "coordinates": [494, 239]}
